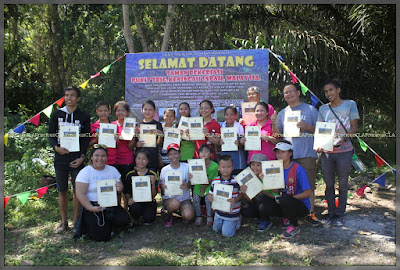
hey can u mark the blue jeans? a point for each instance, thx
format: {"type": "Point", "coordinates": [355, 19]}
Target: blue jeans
{"type": "Point", "coordinates": [228, 227]}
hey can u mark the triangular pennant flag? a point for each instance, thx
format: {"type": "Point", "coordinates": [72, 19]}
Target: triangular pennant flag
{"type": "Point", "coordinates": [360, 191]}
{"type": "Point", "coordinates": [120, 58]}
{"type": "Point", "coordinates": [379, 161]}
{"type": "Point", "coordinates": [394, 172]}
{"type": "Point", "coordinates": [23, 197]}
{"type": "Point", "coordinates": [314, 100]}
{"type": "Point", "coordinates": [285, 67]}
{"type": "Point", "coordinates": [381, 180]}
{"type": "Point", "coordinates": [106, 69]}
{"type": "Point", "coordinates": [19, 129]}
{"type": "Point", "coordinates": [35, 198]}
{"type": "Point", "coordinates": [294, 79]}
{"type": "Point", "coordinates": [6, 139]}
{"type": "Point", "coordinates": [349, 195]}
{"type": "Point", "coordinates": [280, 57]}
{"type": "Point", "coordinates": [48, 110]}
{"type": "Point", "coordinates": [83, 85]}
{"type": "Point", "coordinates": [95, 75]}
{"type": "Point", "coordinates": [42, 191]}
{"type": "Point", "coordinates": [35, 120]}
{"type": "Point", "coordinates": [364, 147]}
{"type": "Point", "coordinates": [60, 101]}
{"type": "Point", "coordinates": [304, 88]}
{"type": "Point", "coordinates": [6, 199]}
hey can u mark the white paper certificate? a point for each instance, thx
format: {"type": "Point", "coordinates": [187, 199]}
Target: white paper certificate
{"type": "Point", "coordinates": [107, 135]}
{"type": "Point", "coordinates": [106, 193]}
{"type": "Point", "coordinates": [273, 174]}
{"type": "Point", "coordinates": [290, 128]}
{"type": "Point", "coordinates": [173, 181]}
{"type": "Point", "coordinates": [221, 194]}
{"type": "Point", "coordinates": [148, 135]}
{"type": "Point", "coordinates": [248, 112]}
{"type": "Point", "coordinates": [196, 128]}
{"type": "Point", "coordinates": [323, 137]}
{"type": "Point", "coordinates": [171, 135]}
{"type": "Point", "coordinates": [128, 129]}
{"type": "Point", "coordinates": [197, 167]}
{"type": "Point", "coordinates": [69, 138]}
{"type": "Point", "coordinates": [248, 178]}
{"type": "Point", "coordinates": [229, 136]}
{"type": "Point", "coordinates": [253, 138]}
{"type": "Point", "coordinates": [184, 125]}
{"type": "Point", "coordinates": [141, 188]}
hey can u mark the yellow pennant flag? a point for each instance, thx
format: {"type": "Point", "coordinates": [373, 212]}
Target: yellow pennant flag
{"type": "Point", "coordinates": [6, 139]}
{"type": "Point", "coordinates": [35, 198]}
{"type": "Point", "coordinates": [83, 85]}
{"type": "Point", "coordinates": [285, 67]}
{"type": "Point", "coordinates": [48, 111]}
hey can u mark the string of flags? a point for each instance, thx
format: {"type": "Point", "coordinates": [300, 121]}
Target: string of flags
{"type": "Point", "coordinates": [315, 100]}
{"type": "Point", "coordinates": [24, 196]}
{"type": "Point", "coordinates": [381, 180]}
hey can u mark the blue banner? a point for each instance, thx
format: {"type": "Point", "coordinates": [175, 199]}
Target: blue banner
{"type": "Point", "coordinates": [169, 78]}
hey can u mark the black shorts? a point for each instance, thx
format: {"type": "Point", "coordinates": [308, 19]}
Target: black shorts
{"type": "Point", "coordinates": [62, 178]}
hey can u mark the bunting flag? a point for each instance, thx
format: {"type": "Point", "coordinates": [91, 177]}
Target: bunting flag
{"type": "Point", "coordinates": [360, 191]}
{"type": "Point", "coordinates": [42, 191]}
{"type": "Point", "coordinates": [363, 145]}
{"type": "Point", "coordinates": [294, 79]}
{"type": "Point", "coordinates": [106, 69]}
{"type": "Point", "coordinates": [35, 198]}
{"type": "Point", "coordinates": [120, 58]}
{"type": "Point", "coordinates": [314, 100]}
{"type": "Point", "coordinates": [379, 161]}
{"type": "Point", "coordinates": [285, 67]}
{"type": "Point", "coordinates": [60, 101]}
{"type": "Point", "coordinates": [304, 88]}
{"type": "Point", "coordinates": [23, 197]}
{"type": "Point", "coordinates": [48, 110]}
{"type": "Point", "coordinates": [6, 199]}
{"type": "Point", "coordinates": [381, 180]}
{"type": "Point", "coordinates": [394, 172]}
{"type": "Point", "coordinates": [95, 75]}
{"type": "Point", "coordinates": [35, 120]}
{"type": "Point", "coordinates": [83, 85]}
{"type": "Point", "coordinates": [19, 129]}
{"type": "Point", "coordinates": [6, 139]}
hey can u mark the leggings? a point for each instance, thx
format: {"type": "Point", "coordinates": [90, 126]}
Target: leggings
{"type": "Point", "coordinates": [196, 205]}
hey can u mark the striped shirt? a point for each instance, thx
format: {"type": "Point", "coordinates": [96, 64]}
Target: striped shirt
{"type": "Point", "coordinates": [235, 212]}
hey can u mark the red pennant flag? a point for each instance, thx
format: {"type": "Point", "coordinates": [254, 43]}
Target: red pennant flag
{"type": "Point", "coordinates": [294, 79]}
{"type": "Point", "coordinates": [360, 191]}
{"type": "Point", "coordinates": [42, 191]}
{"type": "Point", "coordinates": [60, 101]}
{"type": "Point", "coordinates": [120, 57]}
{"type": "Point", "coordinates": [6, 199]}
{"type": "Point", "coordinates": [379, 161]}
{"type": "Point", "coordinates": [35, 120]}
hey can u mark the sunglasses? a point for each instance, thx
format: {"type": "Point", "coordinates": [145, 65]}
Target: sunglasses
{"type": "Point", "coordinates": [96, 146]}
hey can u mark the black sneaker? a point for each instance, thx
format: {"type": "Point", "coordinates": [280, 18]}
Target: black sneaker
{"type": "Point", "coordinates": [339, 221]}
{"type": "Point", "coordinates": [264, 225]}
{"type": "Point", "coordinates": [62, 227]}
{"type": "Point", "coordinates": [313, 220]}
{"type": "Point", "coordinates": [329, 219]}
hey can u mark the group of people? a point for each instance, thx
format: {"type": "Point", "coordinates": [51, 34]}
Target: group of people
{"type": "Point", "coordinates": [130, 158]}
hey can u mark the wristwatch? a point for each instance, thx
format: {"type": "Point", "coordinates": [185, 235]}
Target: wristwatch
{"type": "Point", "coordinates": [83, 156]}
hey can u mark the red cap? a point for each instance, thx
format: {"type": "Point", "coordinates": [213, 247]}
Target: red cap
{"type": "Point", "coordinates": [173, 146]}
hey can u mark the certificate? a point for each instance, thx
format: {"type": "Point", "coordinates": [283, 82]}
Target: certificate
{"type": "Point", "coordinates": [171, 135]}
{"type": "Point", "coordinates": [107, 135]}
{"type": "Point", "coordinates": [323, 137]}
{"type": "Point", "coordinates": [290, 128]}
{"type": "Point", "coordinates": [196, 128]}
{"type": "Point", "coordinates": [221, 194]}
{"type": "Point", "coordinates": [248, 112]}
{"type": "Point", "coordinates": [197, 167]}
{"type": "Point", "coordinates": [69, 138]}
{"type": "Point", "coordinates": [184, 125]}
{"type": "Point", "coordinates": [253, 138]}
{"type": "Point", "coordinates": [106, 193]}
{"type": "Point", "coordinates": [148, 135]}
{"type": "Point", "coordinates": [128, 129]}
{"type": "Point", "coordinates": [229, 136]}
{"type": "Point", "coordinates": [141, 188]}
{"type": "Point", "coordinates": [248, 178]}
{"type": "Point", "coordinates": [173, 181]}
{"type": "Point", "coordinates": [273, 174]}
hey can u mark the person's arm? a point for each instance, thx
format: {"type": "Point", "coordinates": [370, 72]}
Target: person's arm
{"type": "Point", "coordinates": [274, 120]}
{"type": "Point", "coordinates": [160, 135]}
{"type": "Point", "coordinates": [153, 186]}
{"type": "Point", "coordinates": [305, 194]}
{"type": "Point", "coordinates": [80, 192]}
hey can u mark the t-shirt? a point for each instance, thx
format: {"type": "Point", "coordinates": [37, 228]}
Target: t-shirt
{"type": "Point", "coordinates": [124, 154]}
{"type": "Point", "coordinates": [90, 175]}
{"type": "Point", "coordinates": [238, 157]}
{"type": "Point", "coordinates": [128, 182]}
{"type": "Point", "coordinates": [302, 183]}
{"type": "Point", "coordinates": [111, 152]}
{"type": "Point", "coordinates": [187, 150]}
{"type": "Point", "coordinates": [154, 162]}
{"type": "Point", "coordinates": [303, 145]}
{"type": "Point", "coordinates": [235, 210]}
{"type": "Point", "coordinates": [267, 148]}
{"type": "Point", "coordinates": [347, 111]}
{"type": "Point", "coordinates": [212, 172]}
{"type": "Point", "coordinates": [213, 128]}
{"type": "Point", "coordinates": [184, 168]}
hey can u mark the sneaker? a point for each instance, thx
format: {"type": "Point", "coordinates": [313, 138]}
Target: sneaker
{"type": "Point", "coordinates": [76, 227]}
{"type": "Point", "coordinates": [198, 221]}
{"type": "Point", "coordinates": [168, 221]}
{"type": "Point", "coordinates": [329, 219]}
{"type": "Point", "coordinates": [264, 225]}
{"type": "Point", "coordinates": [62, 227]}
{"type": "Point", "coordinates": [313, 220]}
{"type": "Point", "coordinates": [339, 221]}
{"type": "Point", "coordinates": [210, 221]}
{"type": "Point", "coordinates": [285, 223]}
{"type": "Point", "coordinates": [290, 231]}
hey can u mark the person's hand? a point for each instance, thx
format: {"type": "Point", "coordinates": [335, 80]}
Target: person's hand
{"type": "Point", "coordinates": [302, 125]}
{"type": "Point", "coordinates": [261, 175]}
{"type": "Point", "coordinates": [210, 197]}
{"type": "Point", "coordinates": [241, 121]}
{"type": "Point", "coordinates": [137, 130]}
{"type": "Point", "coordinates": [184, 186]}
{"type": "Point", "coordinates": [243, 188]}
{"type": "Point", "coordinates": [274, 117]}
{"type": "Point", "coordinates": [119, 186]}
{"type": "Point", "coordinates": [236, 142]}
{"type": "Point", "coordinates": [221, 141]}
{"type": "Point", "coordinates": [163, 186]}
{"type": "Point", "coordinates": [232, 201]}
{"type": "Point", "coordinates": [96, 209]}
{"type": "Point", "coordinates": [130, 201]}
{"type": "Point", "coordinates": [152, 180]}
{"type": "Point", "coordinates": [61, 150]}
{"type": "Point", "coordinates": [267, 138]}
{"type": "Point", "coordinates": [319, 150]}
{"type": "Point", "coordinates": [205, 130]}
{"type": "Point", "coordinates": [277, 198]}
{"type": "Point", "coordinates": [77, 162]}
{"type": "Point", "coordinates": [140, 144]}
{"type": "Point", "coordinates": [243, 140]}
{"type": "Point", "coordinates": [190, 176]}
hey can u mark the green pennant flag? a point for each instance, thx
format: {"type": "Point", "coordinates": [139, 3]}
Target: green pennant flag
{"type": "Point", "coordinates": [48, 110]}
{"type": "Point", "coordinates": [364, 147]}
{"type": "Point", "coordinates": [106, 69]}
{"type": "Point", "coordinates": [304, 88]}
{"type": "Point", "coordinates": [23, 197]}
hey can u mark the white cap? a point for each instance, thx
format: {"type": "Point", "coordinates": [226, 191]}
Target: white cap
{"type": "Point", "coordinates": [283, 146]}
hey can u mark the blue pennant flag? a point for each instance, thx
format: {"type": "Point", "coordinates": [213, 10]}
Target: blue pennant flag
{"type": "Point", "coordinates": [280, 57]}
{"type": "Point", "coordinates": [381, 180]}
{"type": "Point", "coordinates": [394, 172]}
{"type": "Point", "coordinates": [19, 129]}
{"type": "Point", "coordinates": [314, 100]}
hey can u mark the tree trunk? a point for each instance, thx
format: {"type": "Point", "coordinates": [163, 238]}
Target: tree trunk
{"type": "Point", "coordinates": [127, 29]}
{"type": "Point", "coordinates": [139, 28]}
{"type": "Point", "coordinates": [168, 26]}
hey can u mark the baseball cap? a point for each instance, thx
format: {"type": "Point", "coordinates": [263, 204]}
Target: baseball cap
{"type": "Point", "coordinates": [173, 146]}
{"type": "Point", "coordinates": [258, 158]}
{"type": "Point", "coordinates": [284, 146]}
